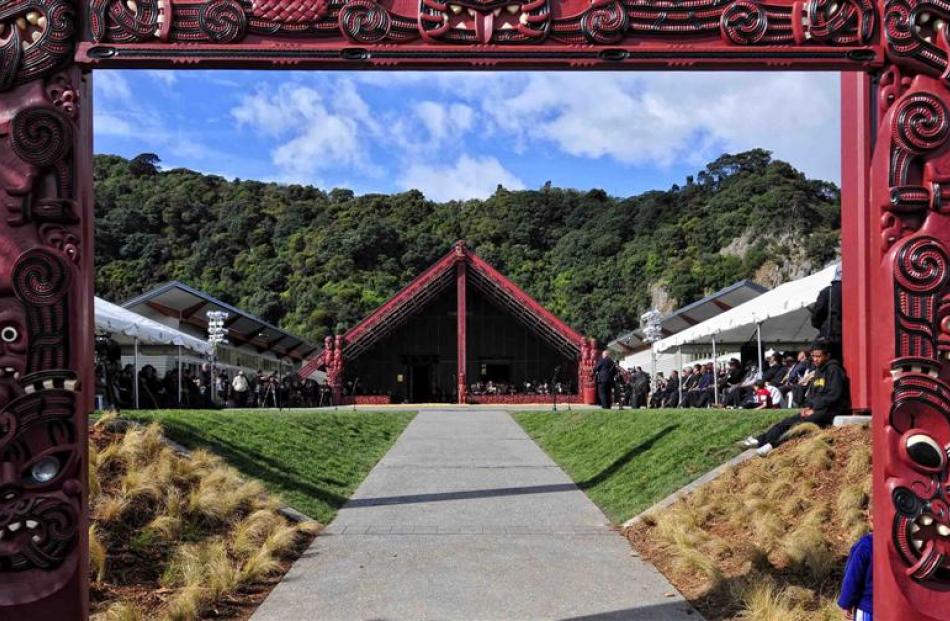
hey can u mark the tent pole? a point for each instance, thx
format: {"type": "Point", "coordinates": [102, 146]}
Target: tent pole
{"type": "Point", "coordinates": [679, 364]}
{"type": "Point", "coordinates": [715, 372]}
{"type": "Point", "coordinates": [758, 337]}
{"type": "Point", "coordinates": [179, 376]}
{"type": "Point", "coordinates": [135, 370]}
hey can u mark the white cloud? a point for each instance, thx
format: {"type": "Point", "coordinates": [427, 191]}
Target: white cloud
{"type": "Point", "coordinates": [108, 124]}
{"type": "Point", "coordinates": [444, 121]}
{"type": "Point", "coordinates": [314, 136]}
{"type": "Point", "coordinates": [670, 118]}
{"type": "Point", "coordinates": [468, 178]}
{"type": "Point", "coordinates": [111, 85]}
{"type": "Point", "coordinates": [166, 77]}
{"type": "Point", "coordinates": [644, 119]}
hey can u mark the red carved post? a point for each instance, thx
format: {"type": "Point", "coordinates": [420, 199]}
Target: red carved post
{"type": "Point", "coordinates": [335, 369]}
{"type": "Point", "coordinates": [910, 353]}
{"type": "Point", "coordinates": [46, 330]}
{"type": "Point", "coordinates": [461, 330]}
{"type": "Point", "coordinates": [586, 384]}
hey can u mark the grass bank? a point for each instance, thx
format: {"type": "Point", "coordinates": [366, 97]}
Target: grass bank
{"type": "Point", "coordinates": [312, 460]}
{"type": "Point", "coordinates": [627, 460]}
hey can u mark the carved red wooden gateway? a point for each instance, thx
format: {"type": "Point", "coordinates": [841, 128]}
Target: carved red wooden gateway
{"type": "Point", "coordinates": [460, 323]}
{"type": "Point", "coordinates": [896, 214]}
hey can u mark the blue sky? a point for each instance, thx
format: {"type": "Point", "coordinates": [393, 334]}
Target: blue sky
{"type": "Point", "coordinates": [458, 135]}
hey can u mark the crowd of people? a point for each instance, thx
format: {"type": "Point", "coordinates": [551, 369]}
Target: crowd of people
{"type": "Point", "coordinates": [206, 388]}
{"type": "Point", "coordinates": [813, 381]}
{"type": "Point", "coordinates": [784, 382]}
{"type": "Point", "coordinates": [526, 388]}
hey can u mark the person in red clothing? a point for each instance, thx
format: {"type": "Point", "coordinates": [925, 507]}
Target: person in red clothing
{"type": "Point", "coordinates": [761, 398]}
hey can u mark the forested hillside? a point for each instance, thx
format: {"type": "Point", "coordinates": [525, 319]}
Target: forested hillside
{"type": "Point", "coordinates": [317, 261]}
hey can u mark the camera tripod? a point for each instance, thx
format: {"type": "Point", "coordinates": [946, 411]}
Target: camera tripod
{"type": "Point", "coordinates": [270, 390]}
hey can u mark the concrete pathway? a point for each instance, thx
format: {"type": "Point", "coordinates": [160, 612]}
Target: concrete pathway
{"type": "Point", "coordinates": [467, 518]}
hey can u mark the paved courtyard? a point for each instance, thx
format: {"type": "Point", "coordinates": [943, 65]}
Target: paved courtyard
{"type": "Point", "coordinates": [467, 518]}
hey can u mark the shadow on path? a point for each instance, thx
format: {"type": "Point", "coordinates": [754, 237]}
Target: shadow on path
{"type": "Point", "coordinates": [657, 612]}
{"type": "Point", "coordinates": [597, 479]}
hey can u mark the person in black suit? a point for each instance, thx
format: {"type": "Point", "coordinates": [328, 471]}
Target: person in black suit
{"type": "Point", "coordinates": [604, 375]}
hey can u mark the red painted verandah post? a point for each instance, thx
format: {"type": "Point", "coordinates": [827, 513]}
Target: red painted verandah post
{"type": "Point", "coordinates": [461, 268]}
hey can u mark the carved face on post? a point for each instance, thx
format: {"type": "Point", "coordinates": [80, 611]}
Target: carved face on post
{"type": "Point", "coordinates": [918, 433]}
{"type": "Point", "coordinates": [485, 21]}
{"type": "Point", "coordinates": [39, 498]}
{"type": "Point", "coordinates": [920, 436]}
{"type": "Point", "coordinates": [40, 490]}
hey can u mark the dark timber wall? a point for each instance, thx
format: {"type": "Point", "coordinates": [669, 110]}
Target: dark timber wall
{"type": "Point", "coordinates": [418, 361]}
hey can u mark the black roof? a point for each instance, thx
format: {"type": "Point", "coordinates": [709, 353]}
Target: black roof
{"type": "Point", "coordinates": [176, 299]}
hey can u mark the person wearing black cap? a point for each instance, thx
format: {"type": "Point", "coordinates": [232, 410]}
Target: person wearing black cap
{"type": "Point", "coordinates": [829, 396]}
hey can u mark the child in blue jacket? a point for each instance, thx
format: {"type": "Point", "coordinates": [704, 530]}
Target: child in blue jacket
{"type": "Point", "coordinates": [856, 595]}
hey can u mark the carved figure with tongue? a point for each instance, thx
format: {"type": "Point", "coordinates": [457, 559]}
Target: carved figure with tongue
{"type": "Point", "coordinates": [478, 21]}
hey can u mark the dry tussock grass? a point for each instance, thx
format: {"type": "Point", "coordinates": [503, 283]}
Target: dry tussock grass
{"type": "Point", "coordinates": [179, 534]}
{"type": "Point", "coordinates": [768, 539]}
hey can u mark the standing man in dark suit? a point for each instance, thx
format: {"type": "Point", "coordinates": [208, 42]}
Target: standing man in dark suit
{"type": "Point", "coordinates": [604, 375]}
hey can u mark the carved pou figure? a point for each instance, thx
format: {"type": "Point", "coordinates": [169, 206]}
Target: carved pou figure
{"type": "Point", "coordinates": [40, 492]}
{"type": "Point", "coordinates": [918, 433]}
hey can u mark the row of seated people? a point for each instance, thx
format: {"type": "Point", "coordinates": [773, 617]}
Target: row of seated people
{"type": "Point", "coordinates": [783, 383]}
{"type": "Point", "coordinates": [526, 388]}
{"type": "Point", "coordinates": [231, 389]}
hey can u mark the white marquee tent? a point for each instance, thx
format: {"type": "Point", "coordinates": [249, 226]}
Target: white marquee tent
{"type": "Point", "coordinates": [781, 313]}
{"type": "Point", "coordinates": [119, 321]}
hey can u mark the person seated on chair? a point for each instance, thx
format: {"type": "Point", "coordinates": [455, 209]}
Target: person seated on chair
{"type": "Point", "coordinates": [829, 397]}
{"type": "Point", "coordinates": [774, 371]}
{"type": "Point", "coordinates": [732, 392]}
{"type": "Point", "coordinates": [761, 398]}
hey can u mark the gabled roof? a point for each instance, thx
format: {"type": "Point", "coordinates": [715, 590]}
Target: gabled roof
{"type": "Point", "coordinates": [189, 305]}
{"type": "Point", "coordinates": [693, 313]}
{"type": "Point", "coordinates": [412, 298]}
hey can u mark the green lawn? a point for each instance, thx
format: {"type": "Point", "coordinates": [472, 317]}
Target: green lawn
{"type": "Point", "coordinates": [627, 460]}
{"type": "Point", "coordinates": [313, 460]}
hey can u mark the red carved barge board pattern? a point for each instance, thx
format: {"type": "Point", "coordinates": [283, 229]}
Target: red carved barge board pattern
{"type": "Point", "coordinates": [897, 229]}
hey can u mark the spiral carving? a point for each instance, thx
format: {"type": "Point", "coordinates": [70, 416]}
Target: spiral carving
{"type": "Point", "coordinates": [921, 124]}
{"type": "Point", "coordinates": [365, 21]}
{"type": "Point", "coordinates": [224, 21]}
{"type": "Point", "coordinates": [40, 278]}
{"type": "Point", "coordinates": [906, 502]}
{"type": "Point", "coordinates": [744, 22]}
{"type": "Point", "coordinates": [922, 265]}
{"type": "Point", "coordinates": [605, 23]}
{"type": "Point", "coordinates": [41, 136]}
